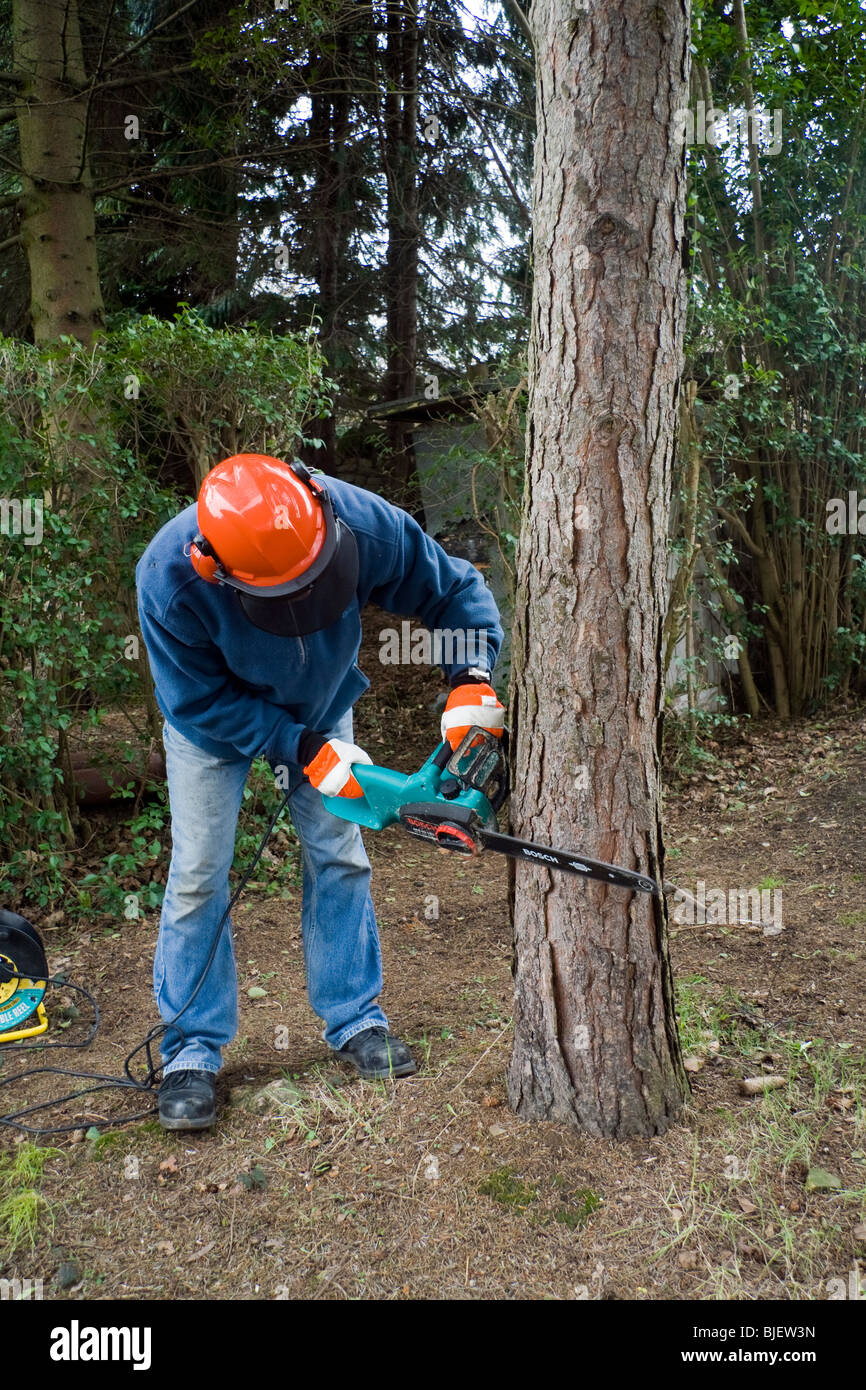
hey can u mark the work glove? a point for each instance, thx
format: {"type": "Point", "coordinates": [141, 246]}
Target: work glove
{"type": "Point", "coordinates": [329, 764]}
{"type": "Point", "coordinates": [472, 701]}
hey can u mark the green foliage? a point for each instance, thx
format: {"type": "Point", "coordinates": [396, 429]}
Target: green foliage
{"type": "Point", "coordinates": [775, 340]}
{"type": "Point", "coordinates": [685, 740]}
{"type": "Point", "coordinates": [104, 891]}
{"type": "Point", "coordinates": [84, 435]}
{"type": "Point", "coordinates": [22, 1206]}
{"type": "Point", "coordinates": [66, 595]}
{"type": "Point", "coordinates": [279, 866]}
{"type": "Point", "coordinates": [198, 393]}
{"type": "Point", "coordinates": [479, 483]}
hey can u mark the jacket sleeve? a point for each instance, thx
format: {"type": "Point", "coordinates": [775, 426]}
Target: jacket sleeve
{"type": "Point", "coordinates": [197, 689]}
{"type": "Point", "coordinates": [414, 576]}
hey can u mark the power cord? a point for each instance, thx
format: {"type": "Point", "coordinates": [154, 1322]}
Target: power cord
{"type": "Point", "coordinates": [127, 1082]}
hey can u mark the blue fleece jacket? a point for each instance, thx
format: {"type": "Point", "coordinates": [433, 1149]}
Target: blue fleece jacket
{"type": "Point", "coordinates": [232, 689]}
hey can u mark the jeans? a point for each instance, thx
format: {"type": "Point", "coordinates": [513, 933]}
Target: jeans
{"type": "Point", "coordinates": [342, 956]}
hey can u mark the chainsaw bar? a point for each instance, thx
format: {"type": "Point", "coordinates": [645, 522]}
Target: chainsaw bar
{"type": "Point", "coordinates": [569, 860]}
{"type": "Point", "coordinates": [457, 828]}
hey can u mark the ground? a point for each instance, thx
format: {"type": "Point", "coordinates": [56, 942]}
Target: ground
{"type": "Point", "coordinates": [431, 1187]}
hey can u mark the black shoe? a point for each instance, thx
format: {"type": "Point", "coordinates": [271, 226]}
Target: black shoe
{"type": "Point", "coordinates": [187, 1100]}
{"type": "Point", "coordinates": [378, 1055]}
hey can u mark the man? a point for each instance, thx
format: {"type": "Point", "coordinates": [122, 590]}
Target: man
{"type": "Point", "coordinates": [250, 607]}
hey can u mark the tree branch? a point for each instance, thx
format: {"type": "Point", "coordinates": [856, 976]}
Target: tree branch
{"type": "Point", "coordinates": [149, 35]}
{"type": "Point", "coordinates": [10, 241]}
{"type": "Point", "coordinates": [136, 176]}
{"type": "Point", "coordinates": [839, 215]}
{"type": "Point", "coordinates": [141, 77]}
{"type": "Point", "coordinates": [522, 21]}
{"type": "Point", "coordinates": [725, 214]}
{"type": "Point", "coordinates": [741, 531]}
{"type": "Point", "coordinates": [754, 167]}
{"type": "Point", "coordinates": [506, 177]}
{"type": "Point", "coordinates": [160, 214]}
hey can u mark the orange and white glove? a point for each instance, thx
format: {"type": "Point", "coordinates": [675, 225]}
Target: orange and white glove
{"type": "Point", "coordinates": [472, 701]}
{"type": "Point", "coordinates": [330, 771]}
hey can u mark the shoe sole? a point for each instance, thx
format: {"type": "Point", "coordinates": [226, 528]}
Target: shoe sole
{"type": "Point", "coordinates": [385, 1073]}
{"type": "Point", "coordinates": [206, 1122]}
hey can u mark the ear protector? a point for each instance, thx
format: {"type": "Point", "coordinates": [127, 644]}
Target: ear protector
{"type": "Point", "coordinates": [205, 560]}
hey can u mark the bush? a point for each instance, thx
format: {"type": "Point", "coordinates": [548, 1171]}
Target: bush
{"type": "Point", "coordinates": [83, 440]}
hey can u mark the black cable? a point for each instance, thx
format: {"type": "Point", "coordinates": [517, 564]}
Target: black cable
{"type": "Point", "coordinates": [60, 982]}
{"type": "Point", "coordinates": [127, 1082]}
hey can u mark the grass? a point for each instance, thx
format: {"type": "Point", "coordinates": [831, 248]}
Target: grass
{"type": "Point", "coordinates": [320, 1112]}
{"type": "Point", "coordinates": [20, 1215]}
{"type": "Point", "coordinates": [27, 1164]}
{"type": "Point", "coordinates": [100, 1143]}
{"type": "Point", "coordinates": [745, 1203]}
{"type": "Point", "coordinates": [22, 1205]}
{"type": "Point", "coordinates": [706, 1022]}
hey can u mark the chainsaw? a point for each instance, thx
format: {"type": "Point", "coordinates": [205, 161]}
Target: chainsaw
{"type": "Point", "coordinates": [23, 979]}
{"type": "Point", "coordinates": [452, 802]}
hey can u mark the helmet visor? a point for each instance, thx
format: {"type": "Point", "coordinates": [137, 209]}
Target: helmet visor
{"type": "Point", "coordinates": [315, 607]}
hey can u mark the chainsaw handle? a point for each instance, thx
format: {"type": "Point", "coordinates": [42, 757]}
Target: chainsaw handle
{"type": "Point", "coordinates": [500, 796]}
{"type": "Point", "coordinates": [495, 791]}
{"type": "Point", "coordinates": [504, 788]}
{"type": "Point", "coordinates": [443, 755]}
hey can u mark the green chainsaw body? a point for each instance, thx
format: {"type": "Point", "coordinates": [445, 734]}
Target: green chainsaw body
{"type": "Point", "coordinates": [468, 785]}
{"type": "Point", "coordinates": [452, 801]}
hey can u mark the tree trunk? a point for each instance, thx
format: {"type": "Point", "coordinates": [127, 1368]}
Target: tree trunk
{"type": "Point", "coordinates": [595, 1041]}
{"type": "Point", "coordinates": [329, 129]}
{"type": "Point", "coordinates": [679, 602]}
{"type": "Point", "coordinates": [58, 229]}
{"type": "Point", "coordinates": [401, 275]}
{"type": "Point", "coordinates": [401, 128]}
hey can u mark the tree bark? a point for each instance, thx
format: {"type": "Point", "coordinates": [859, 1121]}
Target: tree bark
{"type": "Point", "coordinates": [58, 229]}
{"type": "Point", "coordinates": [401, 129]}
{"type": "Point", "coordinates": [329, 129]}
{"type": "Point", "coordinates": [595, 1041]}
{"type": "Point", "coordinates": [678, 599]}
{"type": "Point", "coordinates": [401, 274]}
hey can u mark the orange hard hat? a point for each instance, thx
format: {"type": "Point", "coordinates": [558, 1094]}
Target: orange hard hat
{"type": "Point", "coordinates": [262, 519]}
{"type": "Point", "coordinates": [268, 530]}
